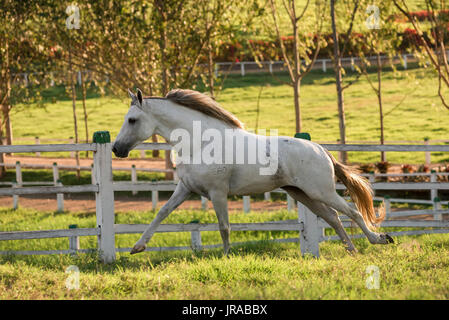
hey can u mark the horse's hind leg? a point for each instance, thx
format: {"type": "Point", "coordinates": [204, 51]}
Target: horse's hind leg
{"type": "Point", "coordinates": [328, 214]}
{"type": "Point", "coordinates": [338, 203]}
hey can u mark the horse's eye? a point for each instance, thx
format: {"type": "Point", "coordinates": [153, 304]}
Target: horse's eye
{"type": "Point", "coordinates": [132, 120]}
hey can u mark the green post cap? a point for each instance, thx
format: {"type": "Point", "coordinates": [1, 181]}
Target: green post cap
{"type": "Point", "coordinates": [303, 135]}
{"type": "Point", "coordinates": [17, 162]}
{"type": "Point", "coordinates": [436, 199]}
{"type": "Point", "coordinates": [102, 137]}
{"type": "Point", "coordinates": [195, 221]}
{"type": "Point", "coordinates": [371, 172]}
{"type": "Point", "coordinates": [55, 164]}
{"type": "Point", "coordinates": [432, 171]}
{"type": "Point", "coordinates": [73, 226]}
{"type": "Point", "coordinates": [387, 197]}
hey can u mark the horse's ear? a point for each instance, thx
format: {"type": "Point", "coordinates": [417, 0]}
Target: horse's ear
{"type": "Point", "coordinates": [132, 95]}
{"type": "Point", "coordinates": [139, 96]}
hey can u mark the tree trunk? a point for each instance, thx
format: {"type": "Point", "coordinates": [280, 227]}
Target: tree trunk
{"type": "Point", "coordinates": [2, 158]}
{"type": "Point", "coordinates": [339, 80]}
{"type": "Point", "coordinates": [75, 122]}
{"type": "Point", "coordinates": [297, 72]}
{"type": "Point", "coordinates": [210, 67]}
{"type": "Point", "coordinates": [8, 126]}
{"type": "Point", "coordinates": [155, 153]}
{"type": "Point", "coordinates": [86, 127]}
{"type": "Point", "coordinates": [383, 157]}
{"type": "Point", "coordinates": [296, 94]}
{"type": "Point", "coordinates": [6, 107]}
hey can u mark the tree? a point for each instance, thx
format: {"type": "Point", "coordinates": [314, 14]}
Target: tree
{"type": "Point", "coordinates": [432, 41]}
{"type": "Point", "coordinates": [305, 47]}
{"type": "Point", "coordinates": [350, 9]}
{"type": "Point", "coordinates": [383, 39]}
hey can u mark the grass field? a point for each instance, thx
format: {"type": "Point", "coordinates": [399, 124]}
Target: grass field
{"type": "Point", "coordinates": [413, 268]}
{"type": "Point", "coordinates": [412, 107]}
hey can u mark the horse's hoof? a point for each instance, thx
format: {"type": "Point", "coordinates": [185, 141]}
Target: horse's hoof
{"type": "Point", "coordinates": [138, 248]}
{"type": "Point", "coordinates": [389, 238]}
{"type": "Point", "coordinates": [352, 251]}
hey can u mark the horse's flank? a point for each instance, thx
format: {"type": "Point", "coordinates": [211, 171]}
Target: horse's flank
{"type": "Point", "coordinates": [202, 103]}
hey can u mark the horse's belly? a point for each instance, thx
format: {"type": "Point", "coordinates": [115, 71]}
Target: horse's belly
{"type": "Point", "coordinates": [247, 182]}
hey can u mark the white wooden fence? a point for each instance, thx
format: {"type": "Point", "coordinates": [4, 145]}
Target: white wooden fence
{"type": "Point", "coordinates": [244, 67]}
{"type": "Point", "coordinates": [310, 227]}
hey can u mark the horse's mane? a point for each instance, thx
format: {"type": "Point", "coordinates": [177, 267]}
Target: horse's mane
{"type": "Point", "coordinates": [203, 103]}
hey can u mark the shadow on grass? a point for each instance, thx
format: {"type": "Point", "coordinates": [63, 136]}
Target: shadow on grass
{"type": "Point", "coordinates": [90, 262]}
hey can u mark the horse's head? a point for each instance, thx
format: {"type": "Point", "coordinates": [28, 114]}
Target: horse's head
{"type": "Point", "coordinates": [137, 127]}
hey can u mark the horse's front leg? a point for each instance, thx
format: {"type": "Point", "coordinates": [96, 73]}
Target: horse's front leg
{"type": "Point", "coordinates": [220, 201]}
{"type": "Point", "coordinates": [181, 193]}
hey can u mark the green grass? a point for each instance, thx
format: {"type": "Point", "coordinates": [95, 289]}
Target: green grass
{"type": "Point", "coordinates": [413, 268]}
{"type": "Point", "coordinates": [420, 115]}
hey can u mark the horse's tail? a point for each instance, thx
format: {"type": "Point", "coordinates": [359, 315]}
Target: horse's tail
{"type": "Point", "coordinates": [360, 191]}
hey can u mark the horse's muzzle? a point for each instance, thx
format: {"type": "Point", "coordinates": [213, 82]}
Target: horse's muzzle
{"type": "Point", "coordinates": [120, 151]}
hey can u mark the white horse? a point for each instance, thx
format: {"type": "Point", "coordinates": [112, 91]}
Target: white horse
{"type": "Point", "coordinates": [304, 169]}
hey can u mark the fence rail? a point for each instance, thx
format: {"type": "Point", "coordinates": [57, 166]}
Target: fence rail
{"type": "Point", "coordinates": [309, 226]}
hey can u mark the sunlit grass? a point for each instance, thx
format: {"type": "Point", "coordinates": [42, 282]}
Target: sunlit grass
{"type": "Point", "coordinates": [419, 116]}
{"type": "Point", "coordinates": [413, 268]}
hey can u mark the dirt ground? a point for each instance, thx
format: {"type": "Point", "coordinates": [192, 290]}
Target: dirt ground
{"type": "Point", "coordinates": [125, 203]}
{"type": "Point", "coordinates": [157, 163]}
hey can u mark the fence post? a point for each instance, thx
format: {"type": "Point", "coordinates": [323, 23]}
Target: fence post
{"type": "Point", "coordinates": [154, 199]}
{"type": "Point", "coordinates": [74, 241]}
{"type": "Point", "coordinates": [19, 174]}
{"type": "Point", "coordinates": [204, 202]}
{"type": "Point", "coordinates": [352, 64]}
{"type": "Point", "coordinates": [242, 68]}
{"type": "Point", "coordinates": [387, 204]}
{"type": "Point", "coordinates": [15, 197]}
{"type": "Point", "coordinates": [133, 177]}
{"type": "Point", "coordinates": [267, 196]}
{"type": "Point", "coordinates": [405, 61]}
{"type": "Point", "coordinates": [92, 174]}
{"type": "Point", "coordinates": [246, 204]}
{"type": "Point", "coordinates": [55, 173]}
{"type": "Point", "coordinates": [309, 231]}
{"type": "Point", "coordinates": [60, 197]}
{"type": "Point", "coordinates": [372, 177]}
{"type": "Point", "coordinates": [270, 67]}
{"type": "Point", "coordinates": [428, 161]}
{"type": "Point", "coordinates": [437, 206]}
{"type": "Point", "coordinates": [105, 195]}
{"type": "Point", "coordinates": [324, 65]}
{"type": "Point", "coordinates": [195, 239]}
{"type": "Point", "coordinates": [433, 178]}
{"type": "Point", "coordinates": [58, 183]}
{"type": "Point", "coordinates": [37, 141]}
{"type": "Point", "coordinates": [18, 183]}
{"type": "Point", "coordinates": [290, 203]}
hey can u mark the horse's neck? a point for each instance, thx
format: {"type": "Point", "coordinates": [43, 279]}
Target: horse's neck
{"type": "Point", "coordinates": [170, 116]}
